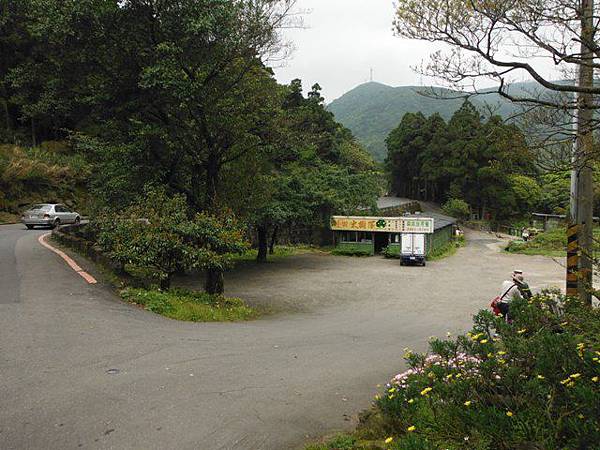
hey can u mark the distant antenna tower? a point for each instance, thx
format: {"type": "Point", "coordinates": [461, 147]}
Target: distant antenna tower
{"type": "Point", "coordinates": [371, 74]}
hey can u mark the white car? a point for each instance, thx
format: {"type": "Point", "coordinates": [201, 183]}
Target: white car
{"type": "Point", "coordinates": [49, 215]}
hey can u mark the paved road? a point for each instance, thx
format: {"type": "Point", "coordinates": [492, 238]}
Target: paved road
{"type": "Point", "coordinates": [80, 369]}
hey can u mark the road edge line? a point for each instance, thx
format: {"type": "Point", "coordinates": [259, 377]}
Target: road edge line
{"type": "Point", "coordinates": [70, 262]}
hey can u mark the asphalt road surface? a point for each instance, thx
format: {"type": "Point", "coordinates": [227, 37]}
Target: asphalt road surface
{"type": "Point", "coordinates": [80, 369]}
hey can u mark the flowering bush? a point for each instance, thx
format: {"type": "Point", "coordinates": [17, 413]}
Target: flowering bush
{"type": "Point", "coordinates": [532, 384]}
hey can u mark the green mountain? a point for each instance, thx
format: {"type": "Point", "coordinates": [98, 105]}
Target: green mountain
{"type": "Point", "coordinates": [372, 110]}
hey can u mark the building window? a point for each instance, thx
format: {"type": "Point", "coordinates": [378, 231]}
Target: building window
{"type": "Point", "coordinates": [355, 236]}
{"type": "Point", "coordinates": [365, 237]}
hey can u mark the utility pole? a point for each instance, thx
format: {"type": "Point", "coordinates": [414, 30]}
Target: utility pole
{"type": "Point", "coordinates": [580, 234]}
{"type": "Point", "coordinates": [371, 78]}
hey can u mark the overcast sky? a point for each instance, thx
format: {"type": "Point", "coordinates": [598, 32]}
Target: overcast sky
{"type": "Point", "coordinates": [343, 39]}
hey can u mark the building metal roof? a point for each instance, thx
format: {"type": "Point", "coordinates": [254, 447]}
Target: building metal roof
{"type": "Point", "coordinates": [439, 220]}
{"type": "Point", "coordinates": [392, 202]}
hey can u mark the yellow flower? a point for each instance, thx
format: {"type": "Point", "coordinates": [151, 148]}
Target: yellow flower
{"type": "Point", "coordinates": [522, 331]}
{"type": "Point", "coordinates": [541, 377]}
{"type": "Point", "coordinates": [448, 376]}
{"type": "Point", "coordinates": [412, 400]}
{"type": "Point", "coordinates": [509, 414]}
{"type": "Point", "coordinates": [581, 416]}
{"type": "Point", "coordinates": [391, 397]}
{"type": "Point", "coordinates": [565, 381]}
{"type": "Point", "coordinates": [426, 391]}
{"type": "Point", "coordinates": [458, 375]}
{"type": "Point", "coordinates": [388, 440]}
{"type": "Point", "coordinates": [571, 384]}
{"type": "Point", "coordinates": [502, 361]}
{"type": "Point", "coordinates": [483, 341]}
{"type": "Point", "coordinates": [595, 379]}
{"type": "Point", "coordinates": [490, 355]}
{"type": "Point", "coordinates": [467, 403]}
{"type": "Point", "coordinates": [377, 397]}
{"type": "Point", "coordinates": [392, 390]}
{"type": "Point", "coordinates": [411, 428]}
{"type": "Point", "coordinates": [477, 336]}
{"type": "Point", "coordinates": [564, 323]}
{"type": "Point", "coordinates": [501, 353]}
{"type": "Point", "coordinates": [575, 375]}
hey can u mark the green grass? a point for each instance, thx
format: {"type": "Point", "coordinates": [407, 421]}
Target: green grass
{"type": "Point", "coordinates": [190, 306]}
{"type": "Point", "coordinates": [339, 442]}
{"type": "Point", "coordinates": [447, 250]}
{"type": "Point", "coordinates": [550, 243]}
{"type": "Point", "coordinates": [281, 251]}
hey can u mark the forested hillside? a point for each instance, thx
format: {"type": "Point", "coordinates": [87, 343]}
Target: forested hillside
{"type": "Point", "coordinates": [372, 110]}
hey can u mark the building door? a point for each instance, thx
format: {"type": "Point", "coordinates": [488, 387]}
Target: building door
{"type": "Point", "coordinates": [381, 240]}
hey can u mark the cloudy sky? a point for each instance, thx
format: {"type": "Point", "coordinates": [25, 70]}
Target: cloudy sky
{"type": "Point", "coordinates": [343, 39]}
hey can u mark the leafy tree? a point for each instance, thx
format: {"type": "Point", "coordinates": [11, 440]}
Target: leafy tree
{"type": "Point", "coordinates": [526, 192]}
{"type": "Point", "coordinates": [156, 235]}
{"type": "Point", "coordinates": [458, 208]}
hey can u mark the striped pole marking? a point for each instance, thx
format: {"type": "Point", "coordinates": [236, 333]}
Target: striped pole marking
{"type": "Point", "coordinates": [72, 264]}
{"type": "Point", "coordinates": [572, 260]}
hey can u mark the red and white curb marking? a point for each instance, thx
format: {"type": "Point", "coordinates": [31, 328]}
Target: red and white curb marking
{"type": "Point", "coordinates": [72, 264]}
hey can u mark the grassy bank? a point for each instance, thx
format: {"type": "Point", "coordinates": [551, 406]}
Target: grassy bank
{"type": "Point", "coordinates": [190, 306]}
{"type": "Point", "coordinates": [534, 384]}
{"type": "Point", "coordinates": [6, 217]}
{"type": "Point", "coordinates": [49, 173]}
{"type": "Point", "coordinates": [550, 243]}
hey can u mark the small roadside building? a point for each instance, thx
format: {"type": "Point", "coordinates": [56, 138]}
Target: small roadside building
{"type": "Point", "coordinates": [374, 234]}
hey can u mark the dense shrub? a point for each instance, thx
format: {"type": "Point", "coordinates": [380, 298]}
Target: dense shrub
{"type": "Point", "coordinates": [351, 252]}
{"type": "Point", "coordinates": [532, 384]}
{"type": "Point", "coordinates": [389, 253]}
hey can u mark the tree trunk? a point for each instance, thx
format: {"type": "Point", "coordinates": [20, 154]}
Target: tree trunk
{"type": "Point", "coordinates": [263, 244]}
{"type": "Point", "coordinates": [273, 240]}
{"type": "Point", "coordinates": [582, 203]}
{"type": "Point", "coordinates": [33, 141]}
{"type": "Point", "coordinates": [214, 281]}
{"type": "Point", "coordinates": [212, 181]}
{"type": "Point", "coordinates": [165, 283]}
{"type": "Point", "coordinates": [7, 117]}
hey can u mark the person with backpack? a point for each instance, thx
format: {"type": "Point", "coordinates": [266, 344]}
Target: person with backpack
{"type": "Point", "coordinates": [523, 287]}
{"type": "Point", "coordinates": [508, 292]}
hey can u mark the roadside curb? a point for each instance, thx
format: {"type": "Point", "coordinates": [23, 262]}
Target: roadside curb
{"type": "Point", "coordinates": [70, 262]}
